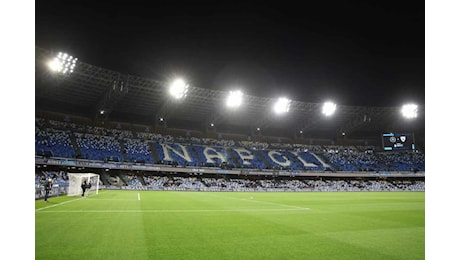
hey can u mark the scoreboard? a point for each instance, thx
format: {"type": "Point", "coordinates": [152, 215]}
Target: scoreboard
{"type": "Point", "coordinates": [398, 141]}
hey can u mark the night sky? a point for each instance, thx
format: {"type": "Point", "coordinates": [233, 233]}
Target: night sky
{"type": "Point", "coordinates": [353, 52]}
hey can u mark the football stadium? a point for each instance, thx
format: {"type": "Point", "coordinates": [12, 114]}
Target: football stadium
{"type": "Point", "coordinates": [231, 131]}
{"type": "Point", "coordinates": [176, 171]}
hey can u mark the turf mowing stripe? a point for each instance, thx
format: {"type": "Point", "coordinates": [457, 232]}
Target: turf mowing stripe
{"type": "Point", "coordinates": [169, 210]}
{"type": "Point", "coordinates": [112, 199]}
{"type": "Point", "coordinates": [272, 203]}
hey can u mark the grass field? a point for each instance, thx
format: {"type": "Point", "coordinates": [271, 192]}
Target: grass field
{"type": "Point", "coordinates": [232, 225]}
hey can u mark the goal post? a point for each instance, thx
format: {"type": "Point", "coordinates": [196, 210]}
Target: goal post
{"type": "Point", "coordinates": [76, 179]}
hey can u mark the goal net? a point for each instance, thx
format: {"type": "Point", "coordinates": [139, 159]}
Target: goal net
{"type": "Point", "coordinates": [76, 180]}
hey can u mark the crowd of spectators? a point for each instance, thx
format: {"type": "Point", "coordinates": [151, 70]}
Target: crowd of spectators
{"type": "Point", "coordinates": [50, 142]}
{"type": "Point", "coordinates": [178, 183]}
{"type": "Point", "coordinates": [70, 140]}
{"type": "Point", "coordinates": [228, 184]}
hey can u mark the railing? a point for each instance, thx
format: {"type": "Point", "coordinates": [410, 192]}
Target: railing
{"type": "Point", "coordinates": [211, 170]}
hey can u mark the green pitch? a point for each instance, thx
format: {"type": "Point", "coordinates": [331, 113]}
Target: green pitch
{"type": "Point", "coordinates": [232, 225]}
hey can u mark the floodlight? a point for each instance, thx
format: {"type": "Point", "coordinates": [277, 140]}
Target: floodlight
{"type": "Point", "coordinates": [329, 108]}
{"type": "Point", "coordinates": [178, 89]}
{"type": "Point", "coordinates": [282, 105]}
{"type": "Point", "coordinates": [409, 110]}
{"type": "Point", "coordinates": [63, 63]}
{"type": "Point", "coordinates": [258, 128]}
{"type": "Point", "coordinates": [235, 98]}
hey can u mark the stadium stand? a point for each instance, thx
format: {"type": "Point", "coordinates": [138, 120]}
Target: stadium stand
{"type": "Point", "coordinates": [101, 144]}
{"type": "Point", "coordinates": [259, 166]}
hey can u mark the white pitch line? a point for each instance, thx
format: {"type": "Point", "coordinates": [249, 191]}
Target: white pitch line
{"type": "Point", "coordinates": [169, 210]}
{"type": "Point", "coordinates": [59, 204]}
{"type": "Point", "coordinates": [138, 196]}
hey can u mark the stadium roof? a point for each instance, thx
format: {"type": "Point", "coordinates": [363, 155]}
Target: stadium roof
{"type": "Point", "coordinates": [128, 98]}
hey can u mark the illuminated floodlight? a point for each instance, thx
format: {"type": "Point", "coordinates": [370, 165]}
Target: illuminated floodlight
{"type": "Point", "coordinates": [63, 63]}
{"type": "Point", "coordinates": [329, 108]}
{"type": "Point", "coordinates": [409, 110]}
{"type": "Point", "coordinates": [178, 89]}
{"type": "Point", "coordinates": [282, 106]}
{"type": "Point", "coordinates": [235, 98]}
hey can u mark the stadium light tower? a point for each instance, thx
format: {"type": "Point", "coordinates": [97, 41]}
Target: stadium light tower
{"type": "Point", "coordinates": [282, 105]}
{"type": "Point", "coordinates": [329, 108]}
{"type": "Point", "coordinates": [63, 63]}
{"type": "Point", "coordinates": [178, 89]}
{"type": "Point", "coordinates": [409, 111]}
{"type": "Point", "coordinates": [234, 99]}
